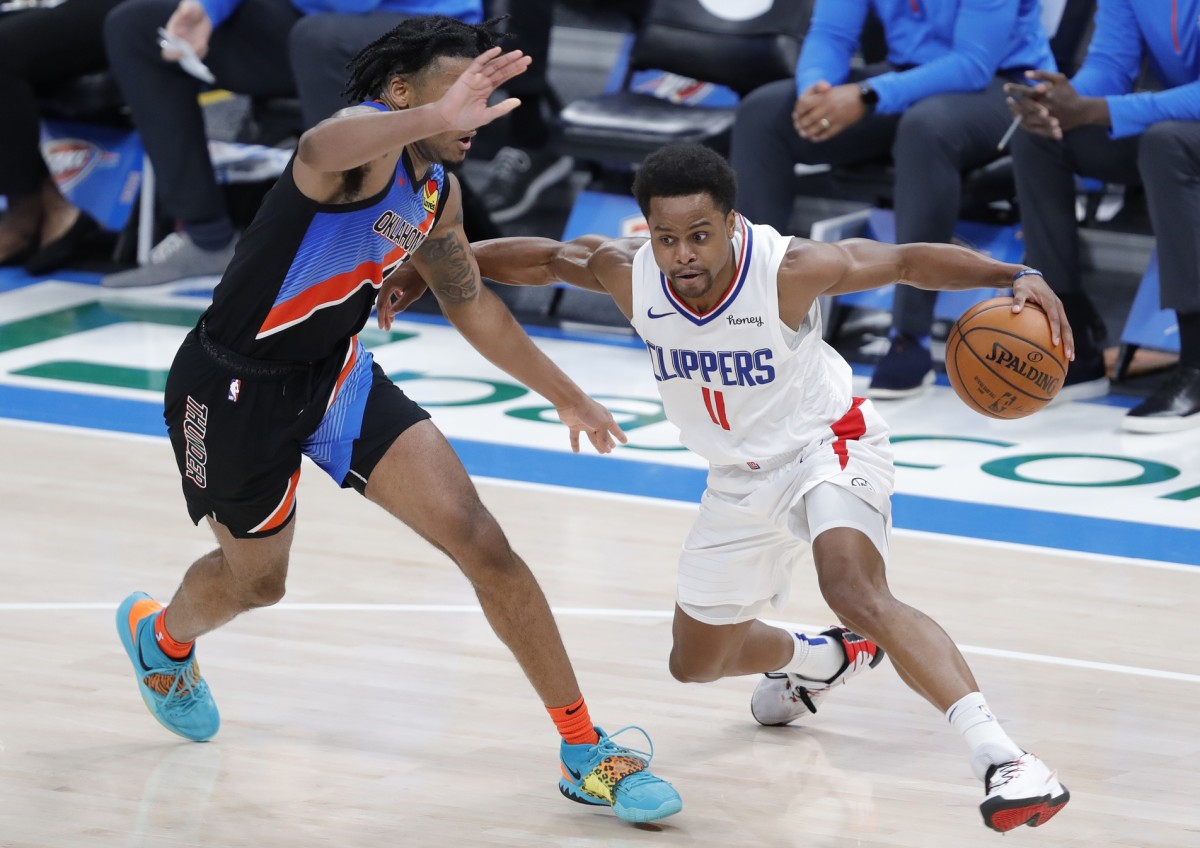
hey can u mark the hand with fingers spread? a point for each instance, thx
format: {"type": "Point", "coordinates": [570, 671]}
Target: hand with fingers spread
{"type": "Point", "coordinates": [1029, 285]}
{"type": "Point", "coordinates": [588, 416]}
{"type": "Point", "coordinates": [465, 107]}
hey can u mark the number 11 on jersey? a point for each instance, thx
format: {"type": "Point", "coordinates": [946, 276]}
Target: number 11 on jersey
{"type": "Point", "coordinates": [714, 402]}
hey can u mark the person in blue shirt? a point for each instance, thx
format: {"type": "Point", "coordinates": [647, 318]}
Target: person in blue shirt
{"type": "Point", "coordinates": [1096, 125]}
{"type": "Point", "coordinates": [263, 48]}
{"type": "Point", "coordinates": [936, 105]}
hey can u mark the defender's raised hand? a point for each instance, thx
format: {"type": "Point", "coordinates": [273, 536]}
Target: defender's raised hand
{"type": "Point", "coordinates": [464, 106]}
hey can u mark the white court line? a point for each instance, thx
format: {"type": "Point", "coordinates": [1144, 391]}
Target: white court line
{"type": "Point", "coordinates": [598, 612]}
{"type": "Point", "coordinates": [1016, 547]}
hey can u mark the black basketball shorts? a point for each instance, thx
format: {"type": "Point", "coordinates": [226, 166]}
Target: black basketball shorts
{"type": "Point", "coordinates": [239, 427]}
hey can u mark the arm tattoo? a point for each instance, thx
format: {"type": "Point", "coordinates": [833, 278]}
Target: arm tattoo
{"type": "Point", "coordinates": [453, 280]}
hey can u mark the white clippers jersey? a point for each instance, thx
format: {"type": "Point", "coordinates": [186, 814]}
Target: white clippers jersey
{"type": "Point", "coordinates": [739, 384]}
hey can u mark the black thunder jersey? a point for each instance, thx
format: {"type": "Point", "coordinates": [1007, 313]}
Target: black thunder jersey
{"type": "Point", "coordinates": [304, 276]}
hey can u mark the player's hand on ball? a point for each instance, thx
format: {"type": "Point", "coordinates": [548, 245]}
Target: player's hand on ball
{"type": "Point", "coordinates": [1033, 287]}
{"type": "Point", "coordinates": [592, 418]}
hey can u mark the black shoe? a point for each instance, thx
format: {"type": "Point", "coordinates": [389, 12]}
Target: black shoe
{"type": "Point", "coordinates": [905, 370]}
{"type": "Point", "coordinates": [1175, 406]}
{"type": "Point", "coordinates": [1087, 377]}
{"type": "Point", "coordinates": [21, 256]}
{"type": "Point", "coordinates": [519, 178]}
{"type": "Point", "coordinates": [63, 249]}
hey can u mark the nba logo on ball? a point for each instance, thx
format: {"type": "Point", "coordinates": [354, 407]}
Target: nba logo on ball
{"type": "Point", "coordinates": [235, 389]}
{"type": "Point", "coordinates": [1003, 364]}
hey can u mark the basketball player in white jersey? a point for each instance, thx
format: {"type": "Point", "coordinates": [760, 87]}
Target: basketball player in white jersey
{"type": "Point", "coordinates": [729, 313]}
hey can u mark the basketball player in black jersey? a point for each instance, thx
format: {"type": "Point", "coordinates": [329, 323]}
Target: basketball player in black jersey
{"type": "Point", "coordinates": [274, 371]}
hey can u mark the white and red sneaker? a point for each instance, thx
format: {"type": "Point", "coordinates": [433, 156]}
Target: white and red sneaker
{"type": "Point", "coordinates": [1023, 791]}
{"type": "Point", "coordinates": [781, 698]}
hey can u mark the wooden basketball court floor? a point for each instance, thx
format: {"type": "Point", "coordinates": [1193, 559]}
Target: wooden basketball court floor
{"type": "Point", "coordinates": [375, 707]}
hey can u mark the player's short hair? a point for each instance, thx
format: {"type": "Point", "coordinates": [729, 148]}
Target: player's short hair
{"type": "Point", "coordinates": [412, 46]}
{"type": "Point", "coordinates": [680, 170]}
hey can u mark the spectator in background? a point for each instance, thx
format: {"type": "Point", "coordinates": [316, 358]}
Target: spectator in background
{"type": "Point", "coordinates": [936, 105]}
{"type": "Point", "coordinates": [41, 229]}
{"type": "Point", "coordinates": [525, 166]}
{"type": "Point", "coordinates": [251, 46]}
{"type": "Point", "coordinates": [1095, 125]}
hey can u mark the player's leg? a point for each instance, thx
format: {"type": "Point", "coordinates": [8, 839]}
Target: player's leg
{"type": "Point", "coordinates": [398, 459]}
{"type": "Point", "coordinates": [734, 562]}
{"type": "Point", "coordinates": [851, 571]}
{"type": "Point", "coordinates": [239, 466]}
{"type": "Point", "coordinates": [239, 575]}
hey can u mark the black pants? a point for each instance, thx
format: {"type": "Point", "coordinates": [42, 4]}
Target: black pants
{"type": "Point", "coordinates": [1165, 159]}
{"type": "Point", "coordinates": [248, 54]}
{"type": "Point", "coordinates": [933, 144]}
{"type": "Point", "coordinates": [41, 47]}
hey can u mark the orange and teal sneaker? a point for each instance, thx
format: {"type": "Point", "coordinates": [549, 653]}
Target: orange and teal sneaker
{"type": "Point", "coordinates": [173, 690]}
{"type": "Point", "coordinates": [607, 774]}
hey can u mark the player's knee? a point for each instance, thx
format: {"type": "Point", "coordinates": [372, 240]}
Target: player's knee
{"type": "Point", "coordinates": [692, 667]}
{"type": "Point", "coordinates": [858, 604]}
{"type": "Point", "coordinates": [478, 545]}
{"type": "Point", "coordinates": [264, 590]}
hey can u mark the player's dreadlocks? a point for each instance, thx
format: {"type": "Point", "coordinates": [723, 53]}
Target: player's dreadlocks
{"type": "Point", "coordinates": [411, 46]}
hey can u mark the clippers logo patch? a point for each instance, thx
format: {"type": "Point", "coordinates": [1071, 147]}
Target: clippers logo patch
{"type": "Point", "coordinates": [429, 199]}
{"type": "Point", "coordinates": [235, 389]}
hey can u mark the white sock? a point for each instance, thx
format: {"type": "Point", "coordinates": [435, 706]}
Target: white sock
{"type": "Point", "coordinates": [815, 657]}
{"type": "Point", "coordinates": [987, 741]}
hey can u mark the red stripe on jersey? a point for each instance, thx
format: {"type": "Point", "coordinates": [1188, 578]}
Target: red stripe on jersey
{"type": "Point", "coordinates": [330, 292]}
{"type": "Point", "coordinates": [708, 405]}
{"type": "Point", "coordinates": [850, 427]}
{"type": "Point", "coordinates": [720, 396]}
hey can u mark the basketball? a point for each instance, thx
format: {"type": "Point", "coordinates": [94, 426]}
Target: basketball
{"type": "Point", "coordinates": [1004, 365]}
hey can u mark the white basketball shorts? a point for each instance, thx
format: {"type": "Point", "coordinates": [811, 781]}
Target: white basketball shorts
{"type": "Point", "coordinates": [754, 525]}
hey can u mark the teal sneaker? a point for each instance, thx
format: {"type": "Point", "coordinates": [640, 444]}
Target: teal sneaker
{"type": "Point", "coordinates": [606, 774]}
{"type": "Point", "coordinates": [174, 692]}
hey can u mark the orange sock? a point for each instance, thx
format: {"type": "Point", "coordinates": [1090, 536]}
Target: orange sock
{"type": "Point", "coordinates": [174, 650]}
{"type": "Point", "coordinates": [574, 724]}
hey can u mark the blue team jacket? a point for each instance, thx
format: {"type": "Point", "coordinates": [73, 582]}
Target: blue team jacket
{"type": "Point", "coordinates": [956, 45]}
{"type": "Point", "coordinates": [469, 11]}
{"type": "Point", "coordinates": [1169, 30]}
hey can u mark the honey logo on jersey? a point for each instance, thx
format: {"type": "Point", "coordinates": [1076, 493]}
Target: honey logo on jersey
{"type": "Point", "coordinates": [429, 198]}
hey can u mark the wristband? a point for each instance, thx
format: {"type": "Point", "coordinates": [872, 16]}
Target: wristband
{"type": "Point", "coordinates": [1025, 272]}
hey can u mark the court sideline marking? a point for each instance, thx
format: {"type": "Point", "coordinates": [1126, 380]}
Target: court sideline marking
{"type": "Point", "coordinates": [1017, 547]}
{"type": "Point", "coordinates": [599, 612]}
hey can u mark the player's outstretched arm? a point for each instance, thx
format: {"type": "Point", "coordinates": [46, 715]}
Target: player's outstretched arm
{"type": "Point", "coordinates": [815, 268]}
{"type": "Point", "coordinates": [446, 262]}
{"type": "Point", "coordinates": [539, 261]}
{"type": "Point", "coordinates": [590, 262]}
{"type": "Point", "coordinates": [358, 135]}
